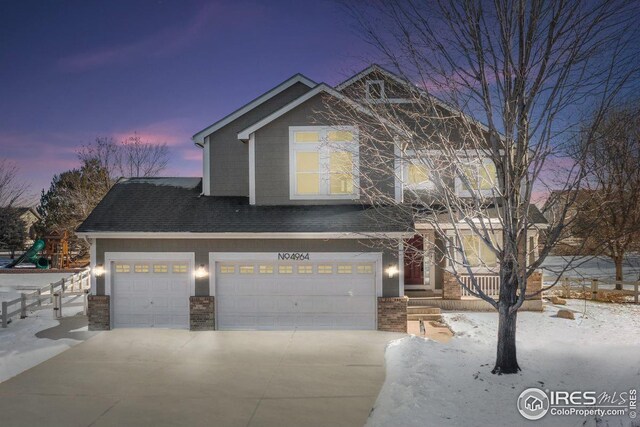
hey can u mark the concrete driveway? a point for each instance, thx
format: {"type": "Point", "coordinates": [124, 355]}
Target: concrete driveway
{"type": "Point", "coordinates": [134, 377]}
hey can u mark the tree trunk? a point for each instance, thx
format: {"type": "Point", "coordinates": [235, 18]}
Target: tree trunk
{"type": "Point", "coordinates": [619, 275]}
{"type": "Point", "coordinates": [506, 358]}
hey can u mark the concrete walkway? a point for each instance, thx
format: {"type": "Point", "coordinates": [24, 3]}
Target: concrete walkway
{"type": "Point", "coordinates": [160, 377]}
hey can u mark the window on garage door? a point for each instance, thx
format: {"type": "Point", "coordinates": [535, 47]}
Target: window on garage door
{"type": "Point", "coordinates": [285, 269]}
{"type": "Point", "coordinates": [265, 269]}
{"type": "Point", "coordinates": [364, 268]}
{"type": "Point", "coordinates": [160, 268]}
{"type": "Point", "coordinates": [179, 267]}
{"type": "Point", "coordinates": [345, 269]}
{"type": "Point", "coordinates": [123, 268]}
{"type": "Point", "coordinates": [227, 268]}
{"type": "Point", "coordinates": [141, 268]}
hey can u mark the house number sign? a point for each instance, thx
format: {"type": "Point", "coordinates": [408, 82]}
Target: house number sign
{"type": "Point", "coordinates": [293, 256]}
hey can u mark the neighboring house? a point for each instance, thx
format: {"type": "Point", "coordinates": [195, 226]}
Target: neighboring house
{"type": "Point", "coordinates": [273, 236]}
{"type": "Point", "coordinates": [30, 217]}
{"type": "Point", "coordinates": [559, 201]}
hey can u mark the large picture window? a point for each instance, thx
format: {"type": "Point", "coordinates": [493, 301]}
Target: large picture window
{"type": "Point", "coordinates": [478, 252]}
{"type": "Point", "coordinates": [324, 162]}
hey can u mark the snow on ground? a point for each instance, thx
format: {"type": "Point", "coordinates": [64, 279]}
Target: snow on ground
{"type": "Point", "coordinates": [20, 349]}
{"type": "Point", "coordinates": [434, 384]}
{"type": "Point", "coordinates": [12, 284]}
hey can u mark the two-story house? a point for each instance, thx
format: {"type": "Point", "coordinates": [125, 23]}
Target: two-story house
{"type": "Point", "coordinates": [275, 235]}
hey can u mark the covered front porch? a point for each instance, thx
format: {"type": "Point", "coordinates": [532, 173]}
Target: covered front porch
{"type": "Point", "coordinates": [429, 282]}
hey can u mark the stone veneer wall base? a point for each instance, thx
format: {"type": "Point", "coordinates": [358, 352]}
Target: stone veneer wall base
{"type": "Point", "coordinates": [99, 307]}
{"type": "Point", "coordinates": [392, 314]}
{"type": "Point", "coordinates": [202, 313]}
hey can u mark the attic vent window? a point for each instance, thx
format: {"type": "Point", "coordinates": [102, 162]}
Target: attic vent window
{"type": "Point", "coordinates": [375, 89]}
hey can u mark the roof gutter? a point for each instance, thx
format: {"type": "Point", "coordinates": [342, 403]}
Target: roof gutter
{"type": "Point", "coordinates": [253, 235]}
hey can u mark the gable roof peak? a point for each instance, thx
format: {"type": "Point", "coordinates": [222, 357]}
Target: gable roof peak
{"type": "Point", "coordinates": [198, 138]}
{"type": "Point", "coordinates": [370, 69]}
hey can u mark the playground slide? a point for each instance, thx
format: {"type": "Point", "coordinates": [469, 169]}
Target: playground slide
{"type": "Point", "coordinates": [32, 256]}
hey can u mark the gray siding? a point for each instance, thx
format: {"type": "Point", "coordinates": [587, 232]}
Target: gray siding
{"type": "Point", "coordinates": [272, 156]}
{"type": "Point", "coordinates": [229, 158]}
{"type": "Point", "coordinates": [392, 89]}
{"type": "Point", "coordinates": [202, 247]}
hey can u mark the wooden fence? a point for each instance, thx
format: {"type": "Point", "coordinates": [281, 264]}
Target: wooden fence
{"type": "Point", "coordinates": [52, 294]}
{"type": "Point", "coordinates": [594, 286]}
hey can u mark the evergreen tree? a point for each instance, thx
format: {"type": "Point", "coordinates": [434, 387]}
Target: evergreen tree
{"type": "Point", "coordinates": [13, 231]}
{"type": "Point", "coordinates": [71, 197]}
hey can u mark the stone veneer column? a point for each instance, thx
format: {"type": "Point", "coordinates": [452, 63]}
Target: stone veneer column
{"type": "Point", "coordinates": [392, 314]}
{"type": "Point", "coordinates": [99, 308]}
{"type": "Point", "coordinates": [202, 313]}
{"type": "Point", "coordinates": [534, 284]}
{"type": "Point", "coordinates": [451, 289]}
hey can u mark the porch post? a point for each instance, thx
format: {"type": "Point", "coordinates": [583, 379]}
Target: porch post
{"type": "Point", "coordinates": [451, 289]}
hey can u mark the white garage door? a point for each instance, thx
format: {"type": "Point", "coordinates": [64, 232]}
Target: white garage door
{"type": "Point", "coordinates": [285, 295]}
{"type": "Point", "coordinates": [150, 293]}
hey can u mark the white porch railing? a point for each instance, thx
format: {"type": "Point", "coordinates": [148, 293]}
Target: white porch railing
{"type": "Point", "coordinates": [490, 285]}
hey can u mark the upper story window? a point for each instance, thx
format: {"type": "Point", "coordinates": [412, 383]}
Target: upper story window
{"type": "Point", "coordinates": [375, 89]}
{"type": "Point", "coordinates": [417, 176]}
{"type": "Point", "coordinates": [481, 175]}
{"type": "Point", "coordinates": [323, 162]}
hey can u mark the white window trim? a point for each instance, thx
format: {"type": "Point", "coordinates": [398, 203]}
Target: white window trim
{"type": "Point", "coordinates": [399, 172]}
{"type": "Point", "coordinates": [461, 189]}
{"type": "Point", "coordinates": [206, 168]}
{"type": "Point", "coordinates": [311, 147]}
{"type": "Point", "coordinates": [252, 169]}
{"type": "Point", "coordinates": [93, 261]}
{"type": "Point", "coordinates": [382, 90]}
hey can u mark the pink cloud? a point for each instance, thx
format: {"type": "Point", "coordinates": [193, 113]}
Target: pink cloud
{"type": "Point", "coordinates": [165, 42]}
{"type": "Point", "coordinates": [192, 154]}
{"type": "Point", "coordinates": [173, 132]}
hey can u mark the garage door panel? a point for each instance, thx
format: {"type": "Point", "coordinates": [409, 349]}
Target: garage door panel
{"type": "Point", "coordinates": [141, 286]}
{"type": "Point", "coordinates": [238, 322]}
{"type": "Point", "coordinates": [180, 305]}
{"type": "Point", "coordinates": [360, 305]}
{"type": "Point", "coordinates": [151, 294]}
{"type": "Point", "coordinates": [297, 296]}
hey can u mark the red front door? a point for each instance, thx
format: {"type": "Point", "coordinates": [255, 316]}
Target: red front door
{"type": "Point", "coordinates": [413, 261]}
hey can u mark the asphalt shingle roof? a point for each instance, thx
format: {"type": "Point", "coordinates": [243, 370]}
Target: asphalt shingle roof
{"type": "Point", "coordinates": [175, 205]}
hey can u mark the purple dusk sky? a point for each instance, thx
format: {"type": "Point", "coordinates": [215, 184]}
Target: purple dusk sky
{"type": "Point", "coordinates": [75, 70]}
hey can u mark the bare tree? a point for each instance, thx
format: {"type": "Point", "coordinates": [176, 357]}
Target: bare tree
{"type": "Point", "coordinates": [498, 89]}
{"type": "Point", "coordinates": [12, 190]}
{"type": "Point", "coordinates": [142, 159]}
{"type": "Point", "coordinates": [608, 215]}
{"type": "Point", "coordinates": [106, 151]}
{"type": "Point", "coordinates": [131, 157]}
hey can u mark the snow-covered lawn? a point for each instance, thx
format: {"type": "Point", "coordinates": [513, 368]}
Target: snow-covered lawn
{"type": "Point", "coordinates": [435, 384]}
{"type": "Point", "coordinates": [11, 285]}
{"type": "Point", "coordinates": [20, 349]}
